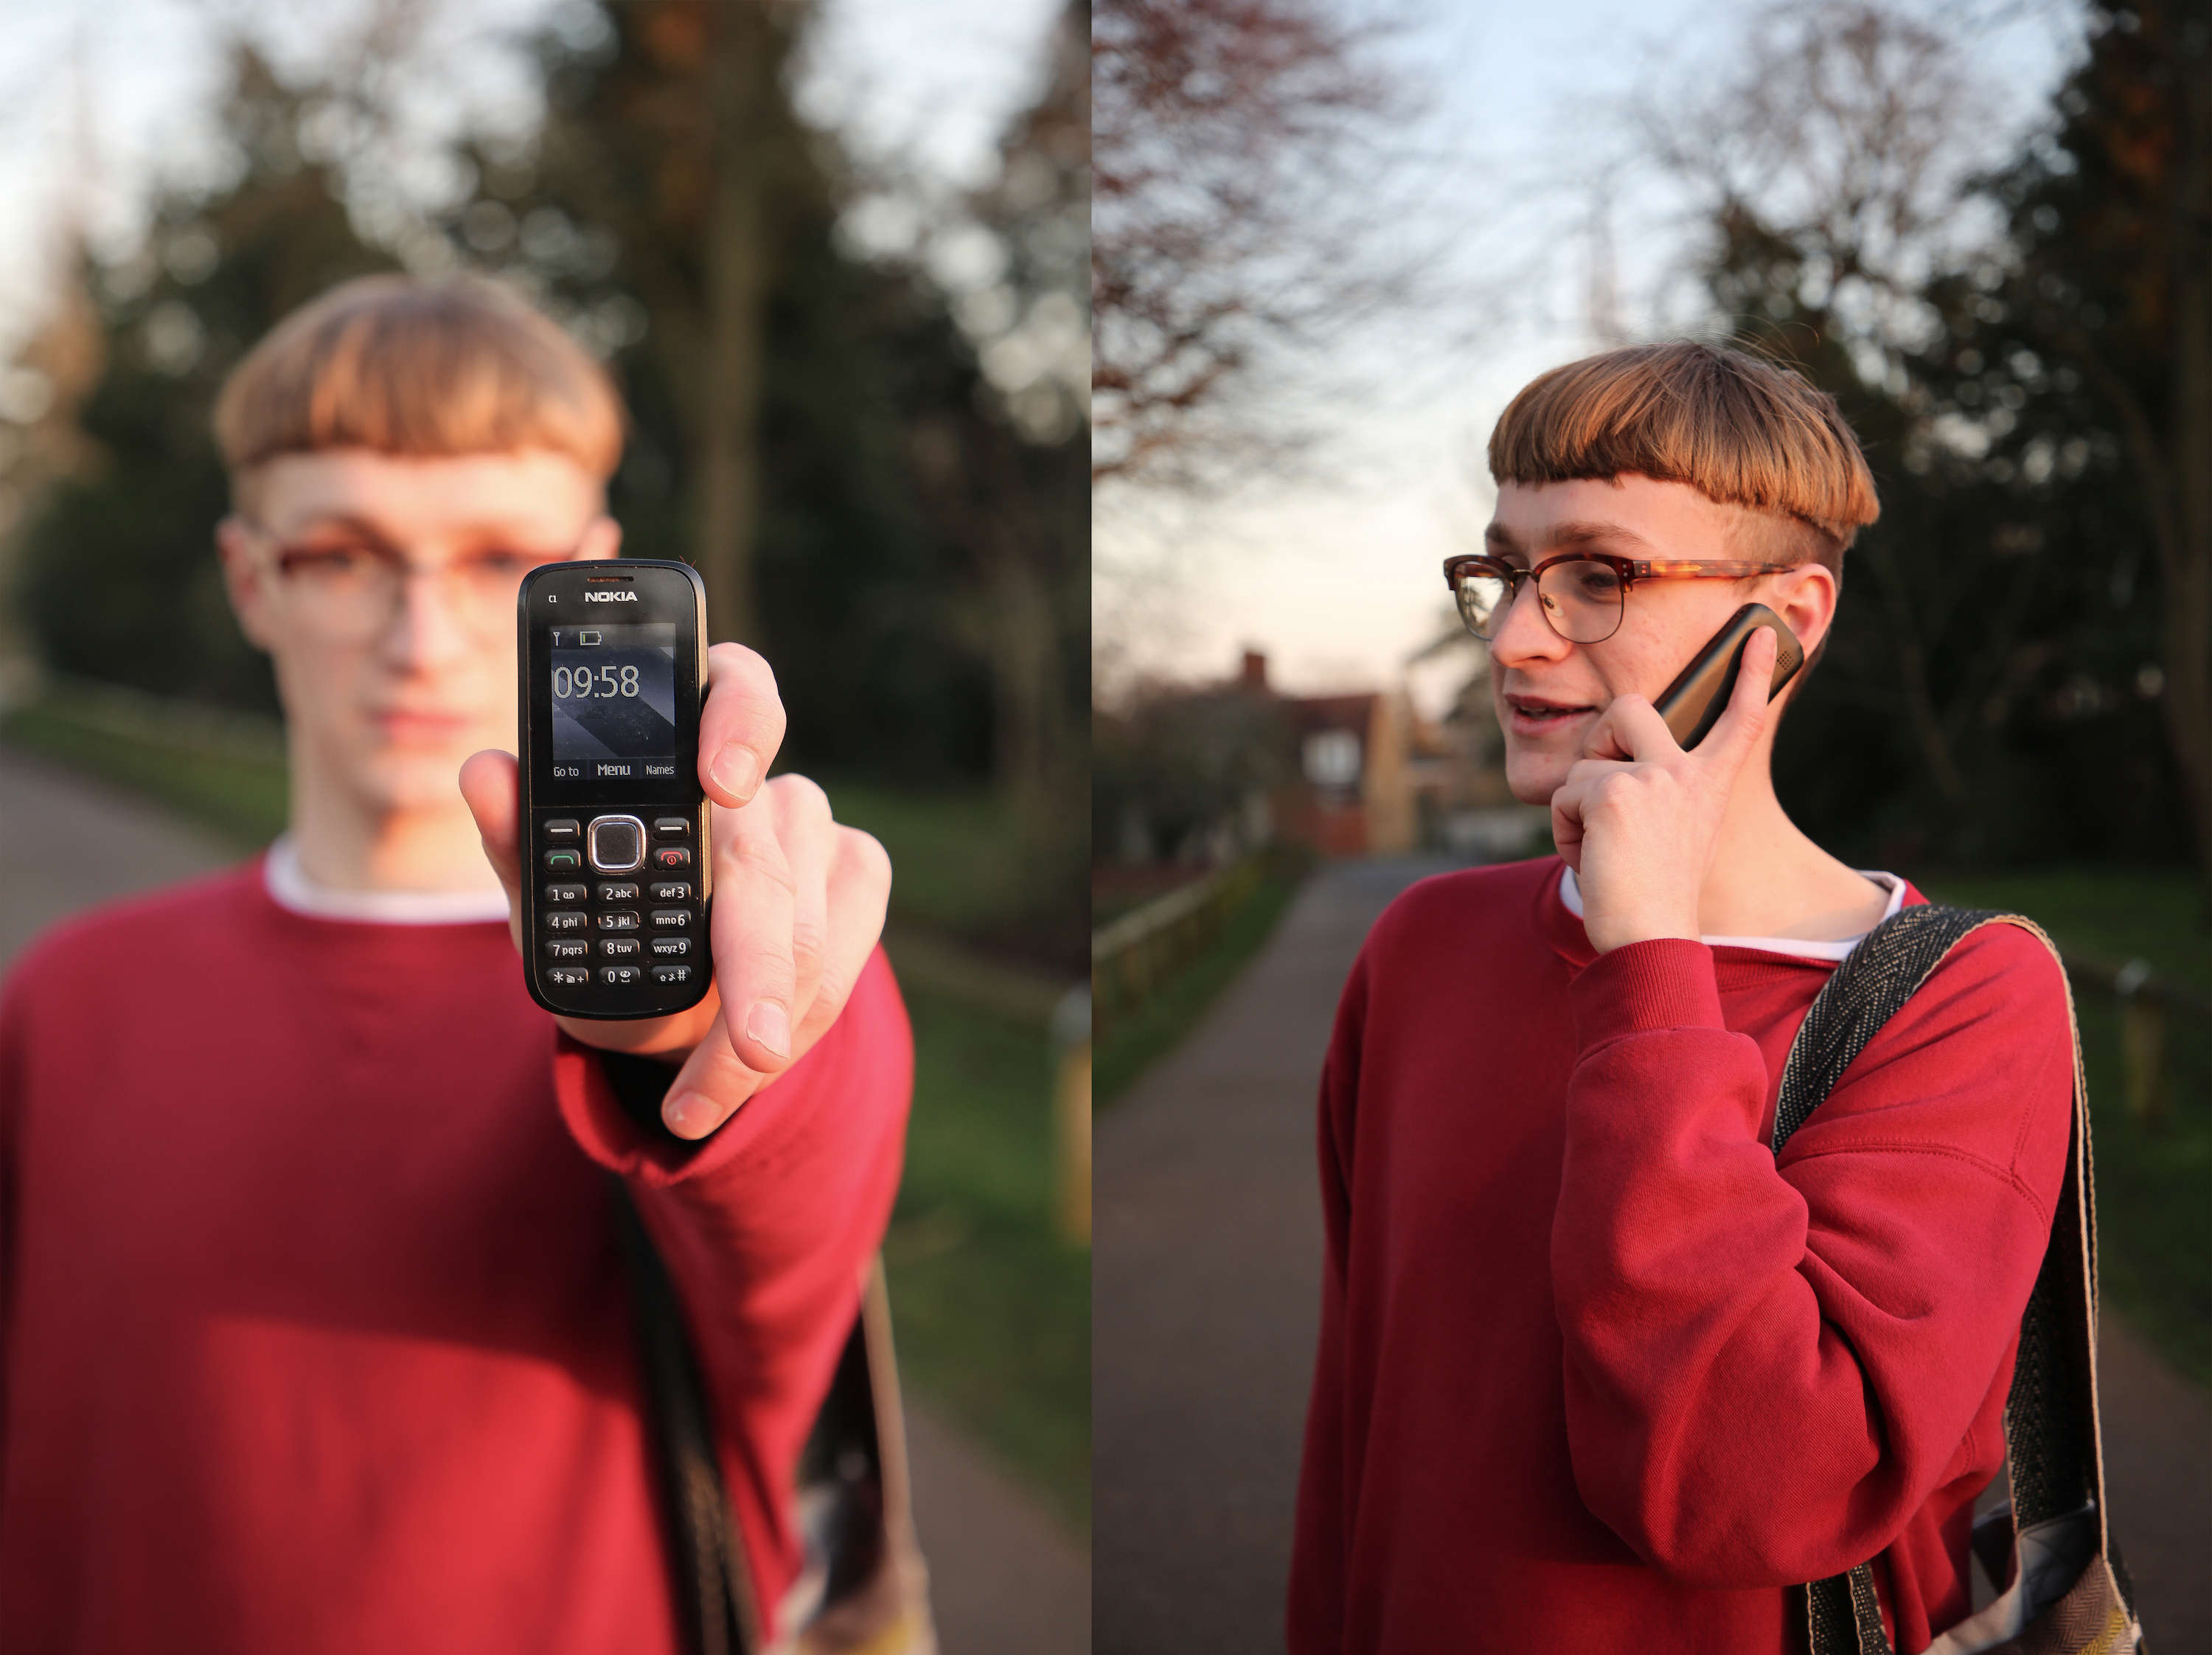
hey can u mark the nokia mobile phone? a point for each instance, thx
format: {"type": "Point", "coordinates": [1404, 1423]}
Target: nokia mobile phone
{"type": "Point", "coordinates": [615, 880]}
{"type": "Point", "coordinates": [1694, 702]}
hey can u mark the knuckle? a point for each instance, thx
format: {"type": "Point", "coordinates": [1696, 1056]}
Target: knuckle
{"type": "Point", "coordinates": [864, 856]}
{"type": "Point", "coordinates": [760, 857]}
{"type": "Point", "coordinates": [809, 946]}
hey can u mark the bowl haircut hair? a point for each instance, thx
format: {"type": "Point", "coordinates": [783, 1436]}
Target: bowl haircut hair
{"type": "Point", "coordinates": [417, 368]}
{"type": "Point", "coordinates": [1741, 431]}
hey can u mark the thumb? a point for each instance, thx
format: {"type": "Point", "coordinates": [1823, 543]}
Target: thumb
{"type": "Point", "coordinates": [489, 788]}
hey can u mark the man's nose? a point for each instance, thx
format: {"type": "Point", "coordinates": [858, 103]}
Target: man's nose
{"type": "Point", "coordinates": [1523, 634]}
{"type": "Point", "coordinates": [426, 629]}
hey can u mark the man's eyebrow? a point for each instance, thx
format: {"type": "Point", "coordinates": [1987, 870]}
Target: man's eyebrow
{"type": "Point", "coordinates": [1573, 536]}
{"type": "Point", "coordinates": [471, 536]}
{"type": "Point", "coordinates": [343, 522]}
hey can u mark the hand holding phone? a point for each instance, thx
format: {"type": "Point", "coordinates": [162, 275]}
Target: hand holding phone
{"type": "Point", "coordinates": [799, 904]}
{"type": "Point", "coordinates": [1639, 817]}
{"type": "Point", "coordinates": [1693, 702]}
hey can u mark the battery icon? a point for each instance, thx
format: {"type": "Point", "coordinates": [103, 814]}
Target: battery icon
{"type": "Point", "coordinates": [587, 637]}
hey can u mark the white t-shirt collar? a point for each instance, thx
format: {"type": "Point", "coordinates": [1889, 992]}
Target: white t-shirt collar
{"type": "Point", "coordinates": [1570, 892]}
{"type": "Point", "coordinates": [289, 887]}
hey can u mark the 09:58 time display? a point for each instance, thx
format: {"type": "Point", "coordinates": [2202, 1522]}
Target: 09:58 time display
{"type": "Point", "coordinates": [581, 684]}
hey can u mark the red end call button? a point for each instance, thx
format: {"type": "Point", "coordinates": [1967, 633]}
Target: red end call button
{"type": "Point", "coordinates": [671, 857]}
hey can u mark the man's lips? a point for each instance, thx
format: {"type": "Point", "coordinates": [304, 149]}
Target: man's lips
{"type": "Point", "coordinates": [1535, 715]}
{"type": "Point", "coordinates": [411, 726]}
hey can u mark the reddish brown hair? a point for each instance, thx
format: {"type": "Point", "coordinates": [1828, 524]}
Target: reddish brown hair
{"type": "Point", "coordinates": [1740, 431]}
{"type": "Point", "coordinates": [412, 367]}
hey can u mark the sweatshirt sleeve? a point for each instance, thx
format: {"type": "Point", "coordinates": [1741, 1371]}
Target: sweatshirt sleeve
{"type": "Point", "coordinates": [1769, 1366]}
{"type": "Point", "coordinates": [766, 1228]}
{"type": "Point", "coordinates": [1315, 1620]}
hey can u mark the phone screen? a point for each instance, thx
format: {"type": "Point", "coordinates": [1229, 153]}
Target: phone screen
{"type": "Point", "coordinates": [613, 698]}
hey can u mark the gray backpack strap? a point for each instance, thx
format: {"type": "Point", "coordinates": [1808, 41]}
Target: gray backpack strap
{"type": "Point", "coordinates": [1875, 979]}
{"type": "Point", "coordinates": [2051, 1413]}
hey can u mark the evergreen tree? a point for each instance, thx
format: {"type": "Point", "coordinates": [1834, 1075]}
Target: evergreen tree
{"type": "Point", "coordinates": [1992, 690]}
{"type": "Point", "coordinates": [118, 566]}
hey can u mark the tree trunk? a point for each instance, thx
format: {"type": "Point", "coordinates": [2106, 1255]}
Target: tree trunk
{"type": "Point", "coordinates": [1913, 677]}
{"type": "Point", "coordinates": [1024, 740]}
{"type": "Point", "coordinates": [737, 263]}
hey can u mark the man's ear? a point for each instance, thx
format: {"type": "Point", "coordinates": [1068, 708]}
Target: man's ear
{"type": "Point", "coordinates": [246, 579]}
{"type": "Point", "coordinates": [1805, 597]}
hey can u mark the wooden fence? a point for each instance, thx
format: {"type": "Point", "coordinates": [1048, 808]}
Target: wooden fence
{"type": "Point", "coordinates": [1131, 958]}
{"type": "Point", "coordinates": [2145, 1000]}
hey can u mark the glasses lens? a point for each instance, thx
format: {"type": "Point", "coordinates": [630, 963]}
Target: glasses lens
{"type": "Point", "coordinates": [1582, 600]}
{"type": "Point", "coordinates": [1481, 597]}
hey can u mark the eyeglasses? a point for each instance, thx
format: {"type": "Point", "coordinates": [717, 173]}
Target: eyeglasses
{"type": "Point", "coordinates": [348, 587]}
{"type": "Point", "coordinates": [1583, 593]}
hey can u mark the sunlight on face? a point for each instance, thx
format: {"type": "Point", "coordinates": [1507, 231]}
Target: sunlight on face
{"type": "Point", "coordinates": [1548, 692]}
{"type": "Point", "coordinates": [370, 580]}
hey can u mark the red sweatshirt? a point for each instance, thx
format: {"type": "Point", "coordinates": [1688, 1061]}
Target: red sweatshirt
{"type": "Point", "coordinates": [1598, 1373]}
{"type": "Point", "coordinates": [315, 1332]}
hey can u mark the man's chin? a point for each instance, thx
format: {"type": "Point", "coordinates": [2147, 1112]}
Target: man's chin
{"type": "Point", "coordinates": [413, 779]}
{"type": "Point", "coordinates": [1532, 778]}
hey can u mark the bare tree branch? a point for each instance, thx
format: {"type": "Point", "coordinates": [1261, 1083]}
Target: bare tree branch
{"type": "Point", "coordinates": [1231, 142]}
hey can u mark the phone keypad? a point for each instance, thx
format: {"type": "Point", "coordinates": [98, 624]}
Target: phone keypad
{"type": "Point", "coordinates": [604, 934]}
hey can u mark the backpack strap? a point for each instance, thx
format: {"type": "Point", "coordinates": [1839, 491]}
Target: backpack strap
{"type": "Point", "coordinates": [715, 1584]}
{"type": "Point", "coordinates": [2051, 1437]}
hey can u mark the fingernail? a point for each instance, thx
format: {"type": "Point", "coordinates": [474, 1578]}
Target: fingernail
{"type": "Point", "coordinates": [771, 1025]}
{"type": "Point", "coordinates": [690, 1116]}
{"type": "Point", "coordinates": [736, 771]}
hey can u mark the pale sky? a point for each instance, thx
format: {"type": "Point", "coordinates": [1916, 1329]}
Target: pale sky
{"type": "Point", "coordinates": [1338, 581]}
{"type": "Point", "coordinates": [117, 92]}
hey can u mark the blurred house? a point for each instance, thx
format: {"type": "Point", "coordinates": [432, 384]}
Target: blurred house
{"type": "Point", "coordinates": [1189, 776]}
{"type": "Point", "coordinates": [1374, 778]}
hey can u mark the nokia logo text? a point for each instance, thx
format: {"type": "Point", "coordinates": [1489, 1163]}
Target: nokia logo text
{"type": "Point", "coordinates": [610, 597]}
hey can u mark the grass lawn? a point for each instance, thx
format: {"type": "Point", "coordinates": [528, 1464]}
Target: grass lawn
{"type": "Point", "coordinates": [2154, 1177]}
{"type": "Point", "coordinates": [966, 864]}
{"type": "Point", "coordinates": [243, 799]}
{"type": "Point", "coordinates": [993, 1312]}
{"type": "Point", "coordinates": [1134, 1045]}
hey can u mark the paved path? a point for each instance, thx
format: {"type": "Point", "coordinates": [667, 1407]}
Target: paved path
{"type": "Point", "coordinates": [1006, 1578]}
{"type": "Point", "coordinates": [1206, 1307]}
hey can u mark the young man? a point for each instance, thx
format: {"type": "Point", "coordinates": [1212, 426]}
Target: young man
{"type": "Point", "coordinates": [316, 1336]}
{"type": "Point", "coordinates": [1597, 1371]}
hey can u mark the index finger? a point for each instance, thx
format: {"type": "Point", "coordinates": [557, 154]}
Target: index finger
{"type": "Point", "coordinates": [1735, 731]}
{"type": "Point", "coordinates": [1629, 729]}
{"type": "Point", "coordinates": [740, 726]}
